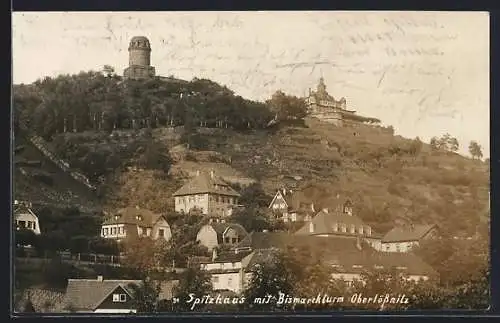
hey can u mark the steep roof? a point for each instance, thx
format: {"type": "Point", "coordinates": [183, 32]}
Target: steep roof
{"type": "Point", "coordinates": [221, 228]}
{"type": "Point", "coordinates": [206, 183]}
{"type": "Point", "coordinates": [88, 294]}
{"type": "Point", "coordinates": [413, 233]}
{"type": "Point", "coordinates": [134, 216]}
{"type": "Point", "coordinates": [21, 208]}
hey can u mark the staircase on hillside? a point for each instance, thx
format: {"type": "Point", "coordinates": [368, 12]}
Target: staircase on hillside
{"type": "Point", "coordinates": [40, 144]}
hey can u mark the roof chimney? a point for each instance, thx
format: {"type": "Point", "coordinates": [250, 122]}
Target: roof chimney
{"type": "Point", "coordinates": [325, 210]}
{"type": "Point", "coordinates": [198, 172]}
{"type": "Point", "coordinates": [284, 191]}
{"type": "Point", "coordinates": [312, 207]}
{"type": "Point", "coordinates": [210, 221]}
{"type": "Point", "coordinates": [222, 221]}
{"type": "Point", "coordinates": [16, 202]}
{"type": "Point", "coordinates": [137, 207]}
{"type": "Point", "coordinates": [358, 243]}
{"type": "Point", "coordinates": [212, 174]}
{"type": "Point", "coordinates": [100, 278]}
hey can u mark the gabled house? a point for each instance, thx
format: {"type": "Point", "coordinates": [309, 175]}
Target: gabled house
{"type": "Point", "coordinates": [227, 270]}
{"type": "Point", "coordinates": [135, 222]}
{"type": "Point", "coordinates": [403, 239]}
{"type": "Point", "coordinates": [291, 206]}
{"type": "Point", "coordinates": [340, 221]}
{"type": "Point", "coordinates": [208, 194]}
{"type": "Point", "coordinates": [100, 296]}
{"type": "Point", "coordinates": [25, 218]}
{"type": "Point", "coordinates": [216, 234]}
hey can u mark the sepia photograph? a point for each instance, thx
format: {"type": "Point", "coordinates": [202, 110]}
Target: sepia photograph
{"type": "Point", "coordinates": [250, 162]}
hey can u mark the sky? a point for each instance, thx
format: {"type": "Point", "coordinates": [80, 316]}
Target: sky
{"type": "Point", "coordinates": [424, 73]}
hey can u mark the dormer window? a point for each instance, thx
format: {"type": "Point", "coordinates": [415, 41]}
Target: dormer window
{"type": "Point", "coordinates": [138, 217]}
{"type": "Point", "coordinates": [344, 228]}
{"type": "Point", "coordinates": [353, 229]}
{"type": "Point", "coordinates": [360, 230]}
{"type": "Point", "coordinates": [335, 227]}
{"type": "Point", "coordinates": [347, 208]}
{"type": "Point", "coordinates": [368, 231]}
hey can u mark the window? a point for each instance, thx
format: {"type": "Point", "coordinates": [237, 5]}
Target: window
{"type": "Point", "coordinates": [106, 231]}
{"type": "Point", "coordinates": [335, 227]}
{"type": "Point", "coordinates": [226, 240]}
{"type": "Point", "coordinates": [360, 230]}
{"type": "Point", "coordinates": [229, 281]}
{"type": "Point", "coordinates": [234, 240]}
{"type": "Point", "coordinates": [344, 228]}
{"type": "Point", "coordinates": [215, 279]}
{"type": "Point", "coordinates": [113, 230]}
{"type": "Point", "coordinates": [161, 233]}
{"type": "Point", "coordinates": [353, 228]}
{"type": "Point", "coordinates": [34, 225]}
{"type": "Point", "coordinates": [119, 298]}
{"type": "Point", "coordinates": [22, 224]}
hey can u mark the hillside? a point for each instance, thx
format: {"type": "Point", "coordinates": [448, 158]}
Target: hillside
{"type": "Point", "coordinates": [390, 179]}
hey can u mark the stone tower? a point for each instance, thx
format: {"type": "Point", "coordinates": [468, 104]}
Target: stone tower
{"type": "Point", "coordinates": [139, 67]}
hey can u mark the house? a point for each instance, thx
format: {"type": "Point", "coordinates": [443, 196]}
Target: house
{"type": "Point", "coordinates": [227, 270]}
{"type": "Point", "coordinates": [340, 221]}
{"type": "Point", "coordinates": [349, 258]}
{"type": "Point", "coordinates": [291, 206]}
{"type": "Point", "coordinates": [25, 218]}
{"type": "Point", "coordinates": [100, 296]}
{"type": "Point", "coordinates": [216, 234]}
{"type": "Point", "coordinates": [321, 105]}
{"type": "Point", "coordinates": [403, 239]}
{"type": "Point", "coordinates": [207, 193]}
{"type": "Point", "coordinates": [135, 222]}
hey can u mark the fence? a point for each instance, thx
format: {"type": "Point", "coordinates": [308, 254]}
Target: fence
{"type": "Point", "coordinates": [78, 258]}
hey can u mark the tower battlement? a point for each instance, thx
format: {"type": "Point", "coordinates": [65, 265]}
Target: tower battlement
{"type": "Point", "coordinates": [139, 50]}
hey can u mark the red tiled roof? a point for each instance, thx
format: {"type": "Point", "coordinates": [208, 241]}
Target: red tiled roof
{"type": "Point", "coordinates": [206, 183]}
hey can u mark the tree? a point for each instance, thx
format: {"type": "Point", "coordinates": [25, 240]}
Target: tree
{"type": "Point", "coordinates": [254, 195]}
{"type": "Point", "coordinates": [475, 150]}
{"type": "Point", "coordinates": [146, 296]}
{"type": "Point", "coordinates": [252, 219]}
{"type": "Point", "coordinates": [268, 280]}
{"type": "Point", "coordinates": [287, 106]}
{"type": "Point", "coordinates": [145, 254]}
{"type": "Point", "coordinates": [192, 283]}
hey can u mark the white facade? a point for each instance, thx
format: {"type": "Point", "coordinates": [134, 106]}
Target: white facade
{"type": "Point", "coordinates": [206, 203]}
{"type": "Point", "coordinates": [119, 231]}
{"type": "Point", "coordinates": [226, 276]}
{"type": "Point", "coordinates": [403, 246]}
{"type": "Point", "coordinates": [27, 220]}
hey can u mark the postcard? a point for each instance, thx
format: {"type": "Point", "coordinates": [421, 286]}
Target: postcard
{"type": "Point", "coordinates": [250, 162]}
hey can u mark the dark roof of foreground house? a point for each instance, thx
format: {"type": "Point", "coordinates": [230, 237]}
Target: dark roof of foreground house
{"type": "Point", "coordinates": [206, 183]}
{"type": "Point", "coordinates": [135, 216]}
{"type": "Point", "coordinates": [411, 233]}
{"type": "Point", "coordinates": [88, 294]}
